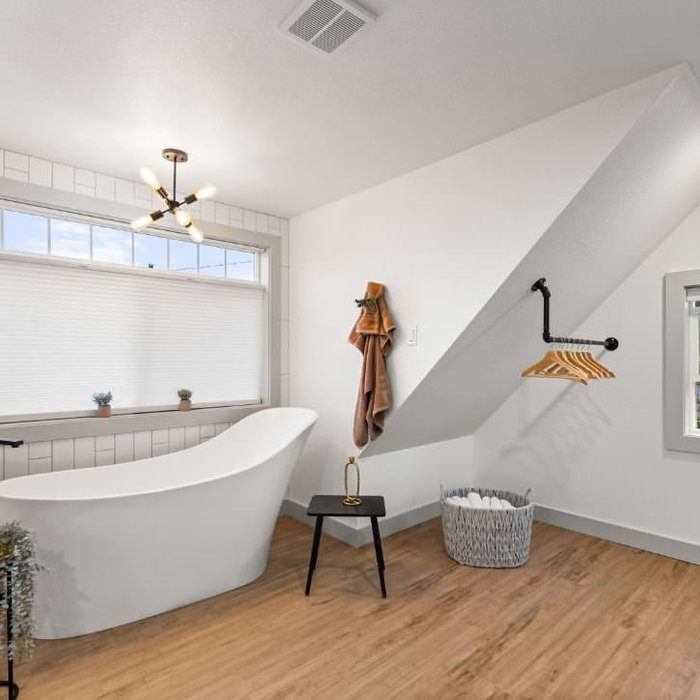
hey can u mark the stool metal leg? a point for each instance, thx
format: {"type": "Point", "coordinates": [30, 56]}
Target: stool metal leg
{"type": "Point", "coordinates": [380, 554]}
{"type": "Point", "coordinates": [314, 551]}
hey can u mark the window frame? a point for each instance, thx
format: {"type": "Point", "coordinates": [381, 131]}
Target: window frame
{"type": "Point", "coordinates": [681, 362]}
{"type": "Point", "coordinates": [66, 205]}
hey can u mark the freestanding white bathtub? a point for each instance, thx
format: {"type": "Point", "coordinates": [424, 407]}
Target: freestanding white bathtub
{"type": "Point", "coordinates": [132, 540]}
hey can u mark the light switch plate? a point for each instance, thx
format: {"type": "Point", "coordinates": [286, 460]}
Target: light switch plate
{"type": "Point", "coordinates": [413, 335]}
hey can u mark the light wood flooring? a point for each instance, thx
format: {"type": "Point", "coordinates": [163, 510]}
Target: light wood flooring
{"type": "Point", "coordinates": [584, 618]}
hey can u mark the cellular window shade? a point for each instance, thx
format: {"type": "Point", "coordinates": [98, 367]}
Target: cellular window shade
{"type": "Point", "coordinates": [68, 332]}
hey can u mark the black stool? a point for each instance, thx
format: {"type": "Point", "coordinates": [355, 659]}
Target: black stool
{"type": "Point", "coordinates": [372, 507]}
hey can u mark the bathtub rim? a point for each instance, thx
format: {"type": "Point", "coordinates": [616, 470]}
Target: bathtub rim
{"type": "Point", "coordinates": [313, 418]}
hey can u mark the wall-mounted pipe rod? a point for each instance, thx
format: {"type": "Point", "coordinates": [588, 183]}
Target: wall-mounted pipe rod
{"type": "Point", "coordinates": [541, 286]}
{"type": "Point", "coordinates": [11, 442]}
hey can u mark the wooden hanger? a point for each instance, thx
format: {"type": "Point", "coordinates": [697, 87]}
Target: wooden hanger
{"type": "Point", "coordinates": [606, 372]}
{"type": "Point", "coordinates": [553, 366]}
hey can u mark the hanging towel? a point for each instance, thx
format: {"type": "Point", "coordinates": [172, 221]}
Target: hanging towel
{"type": "Point", "coordinates": [371, 335]}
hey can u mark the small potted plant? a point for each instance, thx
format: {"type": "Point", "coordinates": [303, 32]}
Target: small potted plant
{"type": "Point", "coordinates": [185, 399]}
{"type": "Point", "coordinates": [103, 401]}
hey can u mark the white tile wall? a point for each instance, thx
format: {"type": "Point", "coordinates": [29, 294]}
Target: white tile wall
{"type": "Point", "coordinates": [57, 455]}
{"type": "Point", "coordinates": [63, 177]}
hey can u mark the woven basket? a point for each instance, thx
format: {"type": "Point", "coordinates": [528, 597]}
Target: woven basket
{"type": "Point", "coordinates": [484, 537]}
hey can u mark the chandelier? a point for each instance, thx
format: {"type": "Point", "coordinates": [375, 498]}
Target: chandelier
{"type": "Point", "coordinates": [172, 206]}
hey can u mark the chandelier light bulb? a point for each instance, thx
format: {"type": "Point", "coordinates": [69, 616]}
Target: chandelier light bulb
{"type": "Point", "coordinates": [196, 235]}
{"type": "Point", "coordinates": [141, 222]}
{"type": "Point", "coordinates": [149, 177]}
{"type": "Point", "coordinates": [183, 218]}
{"type": "Point", "coordinates": [205, 192]}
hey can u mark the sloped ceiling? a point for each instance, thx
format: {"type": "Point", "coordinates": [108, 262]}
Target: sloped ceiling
{"type": "Point", "coordinates": [645, 187]}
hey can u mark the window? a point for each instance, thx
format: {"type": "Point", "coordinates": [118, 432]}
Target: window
{"type": "Point", "coordinates": [165, 313]}
{"type": "Point", "coordinates": [682, 361]}
{"type": "Point", "coordinates": [28, 232]}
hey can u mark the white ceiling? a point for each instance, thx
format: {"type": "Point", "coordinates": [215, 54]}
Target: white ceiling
{"type": "Point", "coordinates": [107, 84]}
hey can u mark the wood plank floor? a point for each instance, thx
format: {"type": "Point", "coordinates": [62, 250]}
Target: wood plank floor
{"type": "Point", "coordinates": [584, 618]}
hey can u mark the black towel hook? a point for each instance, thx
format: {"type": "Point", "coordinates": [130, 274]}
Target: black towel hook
{"type": "Point", "coordinates": [541, 286]}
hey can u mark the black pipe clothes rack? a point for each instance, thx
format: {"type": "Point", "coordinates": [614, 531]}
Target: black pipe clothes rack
{"type": "Point", "coordinates": [541, 286]}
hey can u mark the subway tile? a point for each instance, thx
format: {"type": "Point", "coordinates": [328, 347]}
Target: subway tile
{"type": "Point", "coordinates": [142, 444]}
{"type": "Point", "coordinates": [284, 390]}
{"type": "Point", "coordinates": [273, 224]}
{"type": "Point", "coordinates": [220, 427]}
{"type": "Point", "coordinates": [17, 161]}
{"type": "Point", "coordinates": [84, 452]}
{"type": "Point", "coordinates": [104, 457]}
{"type": "Point", "coordinates": [142, 195]}
{"type": "Point", "coordinates": [249, 220]}
{"type": "Point", "coordinates": [160, 448]}
{"type": "Point", "coordinates": [63, 177]}
{"type": "Point", "coordinates": [104, 442]}
{"type": "Point", "coordinates": [261, 222]}
{"type": "Point", "coordinates": [159, 437]}
{"type": "Point", "coordinates": [284, 293]}
{"type": "Point", "coordinates": [191, 435]}
{"type": "Point", "coordinates": [206, 432]}
{"type": "Point", "coordinates": [41, 465]}
{"type": "Point", "coordinates": [104, 187]}
{"type": "Point", "coordinates": [221, 213]}
{"type": "Point", "coordinates": [39, 450]}
{"type": "Point", "coordinates": [16, 461]}
{"type": "Point", "coordinates": [124, 447]}
{"type": "Point", "coordinates": [176, 439]}
{"type": "Point", "coordinates": [124, 191]}
{"type": "Point", "coordinates": [62, 455]}
{"type": "Point", "coordinates": [86, 178]}
{"type": "Point", "coordinates": [2, 454]}
{"type": "Point", "coordinates": [2, 162]}
{"type": "Point", "coordinates": [284, 347]}
{"type": "Point", "coordinates": [19, 175]}
{"type": "Point", "coordinates": [195, 209]}
{"type": "Point", "coordinates": [39, 172]}
{"type": "Point", "coordinates": [235, 216]}
{"type": "Point", "coordinates": [208, 211]}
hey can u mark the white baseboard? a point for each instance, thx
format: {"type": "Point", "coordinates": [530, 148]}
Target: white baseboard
{"type": "Point", "coordinates": [358, 537]}
{"type": "Point", "coordinates": [648, 541]}
{"type": "Point", "coordinates": [640, 539]}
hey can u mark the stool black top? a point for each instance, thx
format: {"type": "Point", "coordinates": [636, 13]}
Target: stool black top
{"type": "Point", "coordinates": [371, 506]}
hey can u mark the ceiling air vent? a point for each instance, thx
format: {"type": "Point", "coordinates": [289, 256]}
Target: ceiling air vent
{"type": "Point", "coordinates": [326, 25]}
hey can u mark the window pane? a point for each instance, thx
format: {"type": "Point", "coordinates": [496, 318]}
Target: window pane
{"type": "Point", "coordinates": [111, 245]}
{"type": "Point", "coordinates": [27, 233]}
{"type": "Point", "coordinates": [240, 265]}
{"type": "Point", "coordinates": [211, 261]}
{"type": "Point", "coordinates": [70, 239]}
{"type": "Point", "coordinates": [183, 256]}
{"type": "Point", "coordinates": [150, 251]}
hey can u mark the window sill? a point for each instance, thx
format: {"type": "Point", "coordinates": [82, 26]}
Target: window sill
{"type": "Point", "coordinates": [57, 429]}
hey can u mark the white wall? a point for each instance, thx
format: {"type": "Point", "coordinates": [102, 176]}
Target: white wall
{"type": "Point", "coordinates": [598, 450]}
{"type": "Point", "coordinates": [442, 239]}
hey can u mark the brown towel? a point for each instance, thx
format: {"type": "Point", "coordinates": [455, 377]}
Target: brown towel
{"type": "Point", "coordinates": [371, 335]}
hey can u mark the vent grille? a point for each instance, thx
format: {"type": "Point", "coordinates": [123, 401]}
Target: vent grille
{"type": "Point", "coordinates": [326, 25]}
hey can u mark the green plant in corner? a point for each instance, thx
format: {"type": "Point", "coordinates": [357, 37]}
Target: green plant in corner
{"type": "Point", "coordinates": [184, 394]}
{"type": "Point", "coordinates": [18, 558]}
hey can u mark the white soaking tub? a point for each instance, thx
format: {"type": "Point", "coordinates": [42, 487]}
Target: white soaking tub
{"type": "Point", "coordinates": [132, 540]}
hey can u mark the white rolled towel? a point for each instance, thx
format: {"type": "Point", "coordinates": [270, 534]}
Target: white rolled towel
{"type": "Point", "coordinates": [485, 502]}
{"type": "Point", "coordinates": [474, 500]}
{"type": "Point", "coordinates": [453, 500]}
{"type": "Point", "coordinates": [506, 505]}
{"type": "Point", "coordinates": [495, 503]}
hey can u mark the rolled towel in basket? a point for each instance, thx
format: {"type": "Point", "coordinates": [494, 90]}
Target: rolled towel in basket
{"type": "Point", "coordinates": [474, 500]}
{"type": "Point", "coordinates": [485, 502]}
{"type": "Point", "coordinates": [495, 503]}
{"type": "Point", "coordinates": [506, 505]}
